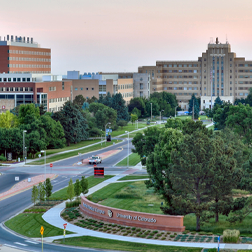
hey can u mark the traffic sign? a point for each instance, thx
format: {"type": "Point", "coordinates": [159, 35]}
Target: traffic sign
{"type": "Point", "coordinates": [41, 230]}
{"type": "Point", "coordinates": [51, 165]}
{"type": "Point", "coordinates": [65, 225]}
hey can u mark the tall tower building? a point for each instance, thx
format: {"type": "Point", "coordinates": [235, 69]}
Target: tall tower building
{"type": "Point", "coordinates": [23, 55]}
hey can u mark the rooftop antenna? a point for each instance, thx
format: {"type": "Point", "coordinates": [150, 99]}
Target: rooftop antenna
{"type": "Point", "coordinates": [226, 39]}
{"type": "Point", "coordinates": [211, 40]}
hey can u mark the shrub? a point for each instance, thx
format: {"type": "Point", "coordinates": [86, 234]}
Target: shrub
{"type": "Point", "coordinates": [202, 233]}
{"type": "Point", "coordinates": [193, 232]}
{"type": "Point", "coordinates": [2, 158]}
{"type": "Point", "coordinates": [175, 233]}
{"type": "Point", "coordinates": [138, 229]}
{"type": "Point", "coordinates": [231, 236]}
{"type": "Point", "coordinates": [149, 237]}
{"type": "Point", "coordinates": [163, 238]}
{"type": "Point", "coordinates": [209, 233]}
{"type": "Point", "coordinates": [168, 233]}
{"type": "Point", "coordinates": [133, 228]}
{"type": "Point", "coordinates": [74, 203]}
{"type": "Point", "coordinates": [172, 236]}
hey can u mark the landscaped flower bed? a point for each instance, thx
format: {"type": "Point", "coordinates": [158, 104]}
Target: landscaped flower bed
{"type": "Point", "coordinates": [77, 218]}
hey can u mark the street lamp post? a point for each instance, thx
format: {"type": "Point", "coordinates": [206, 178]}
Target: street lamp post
{"type": "Point", "coordinates": [175, 111]}
{"type": "Point", "coordinates": [128, 149]}
{"type": "Point", "coordinates": [101, 137]}
{"type": "Point", "coordinates": [151, 111]}
{"type": "Point", "coordinates": [161, 114]}
{"type": "Point", "coordinates": [25, 154]}
{"type": "Point", "coordinates": [105, 131]}
{"type": "Point", "coordinates": [43, 151]}
{"type": "Point", "coordinates": [24, 143]}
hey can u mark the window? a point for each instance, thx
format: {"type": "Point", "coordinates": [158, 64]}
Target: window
{"type": "Point", "coordinates": [63, 85]}
{"type": "Point", "coordinates": [92, 88]}
{"type": "Point", "coordinates": [87, 88]}
{"type": "Point", "coordinates": [76, 89]}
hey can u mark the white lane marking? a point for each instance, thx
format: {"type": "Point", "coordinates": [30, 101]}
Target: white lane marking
{"type": "Point", "coordinates": [33, 242]}
{"type": "Point", "coordinates": [11, 246]}
{"type": "Point", "coordinates": [18, 243]}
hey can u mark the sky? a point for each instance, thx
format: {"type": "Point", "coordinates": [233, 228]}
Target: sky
{"type": "Point", "coordinates": [121, 35]}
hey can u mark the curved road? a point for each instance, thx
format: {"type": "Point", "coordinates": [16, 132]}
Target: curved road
{"type": "Point", "coordinates": [65, 170]}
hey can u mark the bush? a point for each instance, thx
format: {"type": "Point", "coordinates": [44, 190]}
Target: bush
{"type": "Point", "coordinates": [89, 197]}
{"type": "Point", "coordinates": [74, 203]}
{"type": "Point", "coordinates": [172, 236]}
{"type": "Point", "coordinates": [231, 236]}
{"type": "Point", "coordinates": [2, 158]}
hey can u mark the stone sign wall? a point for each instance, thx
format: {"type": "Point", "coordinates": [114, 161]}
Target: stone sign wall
{"type": "Point", "coordinates": [130, 218]}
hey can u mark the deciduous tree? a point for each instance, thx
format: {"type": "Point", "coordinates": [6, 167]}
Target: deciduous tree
{"type": "Point", "coordinates": [70, 190]}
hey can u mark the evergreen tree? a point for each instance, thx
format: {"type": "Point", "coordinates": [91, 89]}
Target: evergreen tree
{"type": "Point", "coordinates": [74, 124]}
{"type": "Point", "coordinates": [138, 103]}
{"type": "Point", "coordinates": [48, 188]}
{"type": "Point", "coordinates": [218, 101]}
{"type": "Point", "coordinates": [34, 196]}
{"type": "Point", "coordinates": [79, 100]}
{"type": "Point", "coordinates": [77, 188]}
{"type": "Point", "coordinates": [107, 100]}
{"type": "Point", "coordinates": [118, 104]}
{"type": "Point", "coordinates": [41, 191]}
{"type": "Point", "coordinates": [70, 190]}
{"type": "Point", "coordinates": [84, 185]}
{"type": "Point", "coordinates": [194, 101]}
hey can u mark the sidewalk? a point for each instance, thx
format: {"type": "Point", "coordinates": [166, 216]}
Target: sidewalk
{"type": "Point", "coordinates": [53, 217]}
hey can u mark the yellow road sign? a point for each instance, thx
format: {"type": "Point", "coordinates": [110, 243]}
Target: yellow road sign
{"type": "Point", "coordinates": [41, 230]}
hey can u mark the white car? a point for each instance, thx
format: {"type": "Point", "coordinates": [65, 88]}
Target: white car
{"type": "Point", "coordinates": [95, 160]}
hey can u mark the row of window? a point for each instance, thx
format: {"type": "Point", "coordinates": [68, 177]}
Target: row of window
{"type": "Point", "coordinates": [181, 82]}
{"type": "Point", "coordinates": [29, 59]}
{"type": "Point", "coordinates": [76, 89]}
{"type": "Point", "coordinates": [130, 94]}
{"type": "Point", "coordinates": [62, 99]}
{"type": "Point", "coordinates": [15, 79]}
{"type": "Point", "coordinates": [180, 65]}
{"type": "Point", "coordinates": [183, 88]}
{"type": "Point", "coordinates": [30, 66]}
{"type": "Point", "coordinates": [12, 89]}
{"type": "Point", "coordinates": [29, 52]}
{"type": "Point", "coordinates": [24, 72]}
{"type": "Point", "coordinates": [186, 94]}
{"type": "Point", "coordinates": [125, 86]}
{"type": "Point", "coordinates": [178, 71]}
{"type": "Point", "coordinates": [245, 76]}
{"type": "Point", "coordinates": [181, 76]}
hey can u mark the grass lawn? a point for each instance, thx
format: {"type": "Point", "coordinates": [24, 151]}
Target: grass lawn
{"type": "Point", "coordinates": [100, 243]}
{"type": "Point", "coordinates": [211, 127]}
{"type": "Point", "coordinates": [131, 196]}
{"type": "Point", "coordinates": [130, 177]}
{"type": "Point", "coordinates": [29, 224]}
{"type": "Point", "coordinates": [129, 127]}
{"type": "Point", "coordinates": [72, 153]}
{"type": "Point", "coordinates": [92, 181]}
{"type": "Point", "coordinates": [134, 159]}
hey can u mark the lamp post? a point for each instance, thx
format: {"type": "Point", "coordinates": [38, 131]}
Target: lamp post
{"type": "Point", "coordinates": [175, 111]}
{"type": "Point", "coordinates": [24, 131]}
{"type": "Point", "coordinates": [161, 114]}
{"type": "Point", "coordinates": [105, 131]}
{"type": "Point", "coordinates": [128, 150]}
{"type": "Point", "coordinates": [151, 111]}
{"type": "Point", "coordinates": [43, 151]}
{"type": "Point", "coordinates": [25, 154]}
{"type": "Point", "coordinates": [101, 137]}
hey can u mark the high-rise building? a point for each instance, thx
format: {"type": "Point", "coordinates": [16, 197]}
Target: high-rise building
{"type": "Point", "coordinates": [23, 55]}
{"type": "Point", "coordinates": [218, 72]}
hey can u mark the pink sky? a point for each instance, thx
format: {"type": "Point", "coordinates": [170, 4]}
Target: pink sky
{"type": "Point", "coordinates": [120, 35]}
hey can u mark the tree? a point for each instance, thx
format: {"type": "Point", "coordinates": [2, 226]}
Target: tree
{"type": "Point", "coordinates": [94, 132]}
{"type": "Point", "coordinates": [107, 100]}
{"type": "Point", "coordinates": [77, 188]}
{"type": "Point", "coordinates": [248, 99]}
{"type": "Point", "coordinates": [194, 101]}
{"type": "Point", "coordinates": [104, 116]}
{"type": "Point", "coordinates": [74, 124]}
{"type": "Point", "coordinates": [41, 191]}
{"type": "Point", "coordinates": [133, 118]}
{"type": "Point", "coordinates": [92, 99]}
{"type": "Point", "coordinates": [8, 120]}
{"type": "Point", "coordinates": [79, 100]}
{"type": "Point", "coordinates": [122, 123]}
{"type": "Point", "coordinates": [218, 101]}
{"type": "Point", "coordinates": [48, 188]}
{"type": "Point", "coordinates": [155, 107]}
{"type": "Point", "coordinates": [55, 135]}
{"type": "Point", "coordinates": [190, 126]}
{"type": "Point", "coordinates": [159, 166]}
{"type": "Point", "coordinates": [220, 116]}
{"type": "Point", "coordinates": [118, 104]}
{"type": "Point", "coordinates": [95, 107]}
{"type": "Point", "coordinates": [197, 173]}
{"type": "Point", "coordinates": [240, 119]}
{"type": "Point", "coordinates": [70, 190]}
{"type": "Point", "coordinates": [136, 112]}
{"type": "Point", "coordinates": [28, 112]}
{"type": "Point", "coordinates": [175, 123]}
{"type": "Point", "coordinates": [85, 105]}
{"type": "Point", "coordinates": [138, 103]}
{"type": "Point", "coordinates": [84, 185]}
{"type": "Point", "coordinates": [145, 143]}
{"type": "Point", "coordinates": [34, 196]}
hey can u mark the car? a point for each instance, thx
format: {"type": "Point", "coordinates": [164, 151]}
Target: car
{"type": "Point", "coordinates": [95, 160]}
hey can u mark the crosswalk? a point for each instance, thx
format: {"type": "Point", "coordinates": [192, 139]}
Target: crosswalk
{"type": "Point", "coordinates": [17, 245]}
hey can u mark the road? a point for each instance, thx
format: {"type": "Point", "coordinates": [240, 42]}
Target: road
{"type": "Point", "coordinates": [65, 170]}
